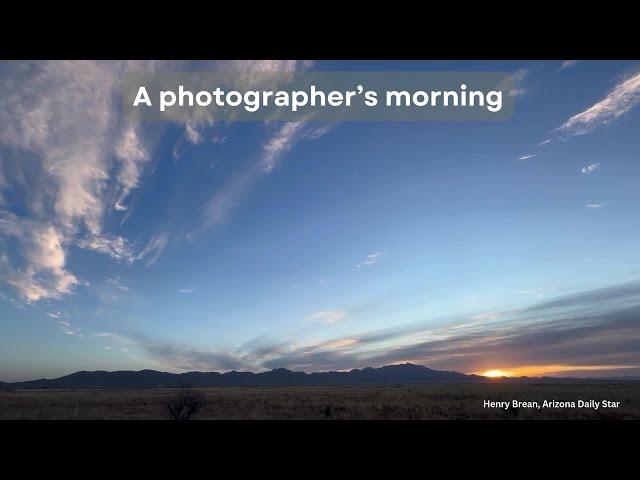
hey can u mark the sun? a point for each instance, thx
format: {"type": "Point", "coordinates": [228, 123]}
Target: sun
{"type": "Point", "coordinates": [495, 373]}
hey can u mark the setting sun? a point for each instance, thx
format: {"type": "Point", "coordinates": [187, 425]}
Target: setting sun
{"type": "Point", "coordinates": [495, 373]}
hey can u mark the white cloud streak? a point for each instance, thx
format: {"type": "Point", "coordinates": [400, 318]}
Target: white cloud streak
{"type": "Point", "coordinates": [624, 96]}
{"type": "Point", "coordinates": [225, 199]}
{"type": "Point", "coordinates": [518, 78]}
{"type": "Point", "coordinates": [370, 260]}
{"type": "Point", "coordinates": [327, 316]}
{"type": "Point", "coordinates": [280, 143]}
{"type": "Point", "coordinates": [153, 249]}
{"type": "Point", "coordinates": [590, 168]}
{"type": "Point", "coordinates": [568, 64]}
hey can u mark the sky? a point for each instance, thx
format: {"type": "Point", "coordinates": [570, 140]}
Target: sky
{"type": "Point", "coordinates": [467, 246]}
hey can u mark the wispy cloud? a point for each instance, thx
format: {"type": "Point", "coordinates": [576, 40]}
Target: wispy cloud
{"type": "Point", "coordinates": [131, 155]}
{"type": "Point", "coordinates": [589, 328]}
{"type": "Point", "coordinates": [525, 157]}
{"type": "Point", "coordinates": [280, 143]}
{"type": "Point", "coordinates": [518, 80]}
{"type": "Point", "coordinates": [537, 293]}
{"type": "Point", "coordinates": [327, 316]}
{"type": "Point", "coordinates": [487, 316]}
{"type": "Point", "coordinates": [624, 96]}
{"type": "Point", "coordinates": [117, 283]}
{"type": "Point", "coordinates": [114, 246]}
{"type": "Point", "coordinates": [185, 290]}
{"type": "Point", "coordinates": [66, 328]}
{"type": "Point", "coordinates": [154, 248]}
{"type": "Point", "coordinates": [226, 198]}
{"type": "Point", "coordinates": [370, 260]}
{"type": "Point", "coordinates": [568, 64]}
{"type": "Point", "coordinates": [590, 168]}
{"type": "Point", "coordinates": [594, 205]}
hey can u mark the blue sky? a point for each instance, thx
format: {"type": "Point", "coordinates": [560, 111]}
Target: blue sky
{"type": "Point", "coordinates": [464, 246]}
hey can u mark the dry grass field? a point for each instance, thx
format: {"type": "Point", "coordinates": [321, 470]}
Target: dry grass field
{"type": "Point", "coordinates": [415, 402]}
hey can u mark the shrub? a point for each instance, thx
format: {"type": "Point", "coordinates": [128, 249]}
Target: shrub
{"type": "Point", "coordinates": [185, 403]}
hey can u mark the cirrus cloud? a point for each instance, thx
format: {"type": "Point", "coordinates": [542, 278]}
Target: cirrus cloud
{"type": "Point", "coordinates": [622, 98]}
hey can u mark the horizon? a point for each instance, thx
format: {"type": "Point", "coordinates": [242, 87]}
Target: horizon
{"type": "Point", "coordinates": [475, 247]}
{"type": "Point", "coordinates": [487, 377]}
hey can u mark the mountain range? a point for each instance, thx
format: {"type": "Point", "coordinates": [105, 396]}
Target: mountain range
{"type": "Point", "coordinates": [403, 374]}
{"type": "Point", "coordinates": [391, 374]}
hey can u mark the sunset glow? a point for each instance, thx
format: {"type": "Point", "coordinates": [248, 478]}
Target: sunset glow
{"type": "Point", "coordinates": [550, 370]}
{"type": "Point", "coordinates": [495, 373]}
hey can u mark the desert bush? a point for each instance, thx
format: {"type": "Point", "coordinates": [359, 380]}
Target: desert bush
{"type": "Point", "coordinates": [185, 403]}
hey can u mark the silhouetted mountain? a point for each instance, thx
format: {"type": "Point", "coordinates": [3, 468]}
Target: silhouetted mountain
{"type": "Point", "coordinates": [391, 374]}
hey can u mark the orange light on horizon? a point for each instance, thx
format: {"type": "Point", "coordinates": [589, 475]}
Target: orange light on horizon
{"type": "Point", "coordinates": [495, 373]}
{"type": "Point", "coordinates": [550, 370]}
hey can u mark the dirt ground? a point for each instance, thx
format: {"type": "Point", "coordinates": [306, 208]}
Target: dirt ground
{"type": "Point", "coordinates": [334, 403]}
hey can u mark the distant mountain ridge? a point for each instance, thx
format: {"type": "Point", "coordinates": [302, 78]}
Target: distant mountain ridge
{"type": "Point", "coordinates": [404, 374]}
{"type": "Point", "coordinates": [387, 375]}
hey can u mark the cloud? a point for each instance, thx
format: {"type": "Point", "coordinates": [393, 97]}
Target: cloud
{"type": "Point", "coordinates": [487, 316]}
{"type": "Point", "coordinates": [116, 247]}
{"type": "Point", "coordinates": [594, 205]}
{"type": "Point", "coordinates": [624, 96]}
{"type": "Point", "coordinates": [191, 359]}
{"type": "Point", "coordinates": [226, 198]}
{"type": "Point", "coordinates": [65, 113]}
{"type": "Point", "coordinates": [116, 283]}
{"type": "Point", "coordinates": [525, 157]}
{"type": "Point", "coordinates": [370, 260]}
{"type": "Point", "coordinates": [616, 293]}
{"type": "Point", "coordinates": [193, 133]}
{"type": "Point", "coordinates": [67, 329]}
{"type": "Point", "coordinates": [154, 248]}
{"type": "Point", "coordinates": [280, 143]}
{"type": "Point", "coordinates": [568, 64]}
{"type": "Point", "coordinates": [54, 314]}
{"type": "Point", "coordinates": [286, 137]}
{"type": "Point", "coordinates": [132, 155]}
{"type": "Point", "coordinates": [3, 183]}
{"type": "Point", "coordinates": [518, 78]}
{"type": "Point", "coordinates": [593, 328]}
{"type": "Point", "coordinates": [75, 159]}
{"type": "Point", "coordinates": [544, 142]}
{"type": "Point", "coordinates": [185, 290]}
{"type": "Point", "coordinates": [588, 337]}
{"type": "Point", "coordinates": [537, 293]}
{"type": "Point", "coordinates": [590, 168]}
{"type": "Point", "coordinates": [44, 274]}
{"type": "Point", "coordinates": [248, 74]}
{"type": "Point", "coordinates": [327, 316]}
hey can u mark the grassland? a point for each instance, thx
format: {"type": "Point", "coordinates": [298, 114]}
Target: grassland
{"type": "Point", "coordinates": [426, 402]}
